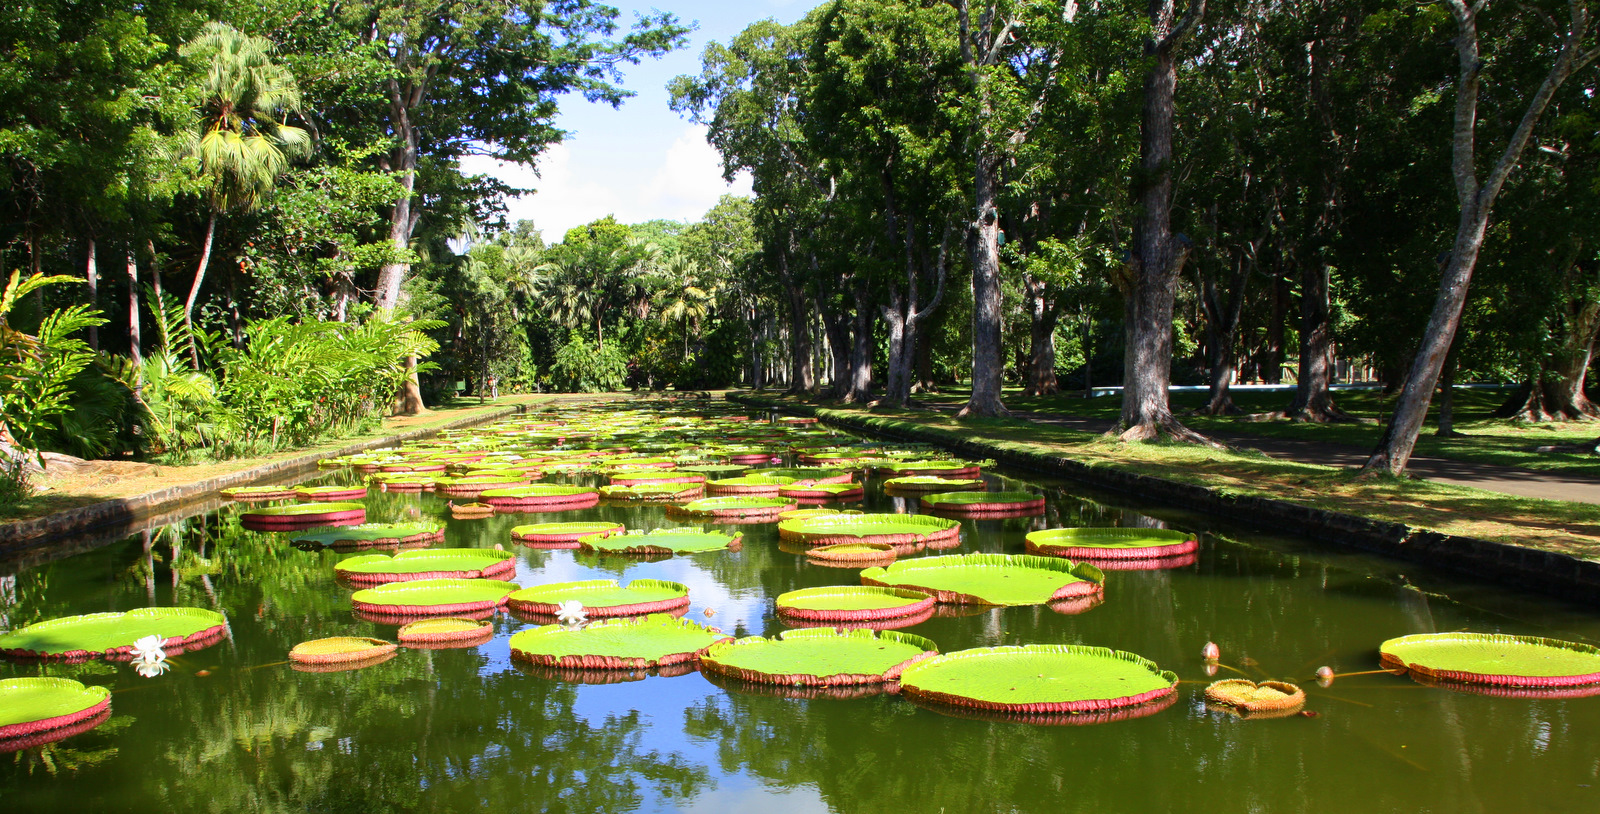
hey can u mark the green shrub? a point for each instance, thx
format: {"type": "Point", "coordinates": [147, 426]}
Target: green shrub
{"type": "Point", "coordinates": [582, 368]}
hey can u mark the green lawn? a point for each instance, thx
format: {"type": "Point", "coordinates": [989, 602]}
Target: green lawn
{"type": "Point", "coordinates": [1485, 440]}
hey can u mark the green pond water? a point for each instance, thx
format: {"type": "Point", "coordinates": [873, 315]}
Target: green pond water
{"type": "Point", "coordinates": [232, 728]}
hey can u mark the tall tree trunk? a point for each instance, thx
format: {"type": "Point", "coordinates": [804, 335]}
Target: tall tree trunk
{"type": "Point", "coordinates": [134, 345]}
{"type": "Point", "coordinates": [802, 375]}
{"type": "Point", "coordinates": [837, 326]}
{"type": "Point", "coordinates": [1146, 411]}
{"type": "Point", "coordinates": [194, 289]}
{"type": "Point", "coordinates": [91, 273]}
{"type": "Point", "coordinates": [1313, 400]}
{"type": "Point", "coordinates": [1557, 390]}
{"type": "Point", "coordinates": [402, 223]}
{"type": "Point", "coordinates": [988, 367]}
{"type": "Point", "coordinates": [861, 346]}
{"type": "Point", "coordinates": [1476, 205]}
{"type": "Point", "coordinates": [894, 320]}
{"type": "Point", "coordinates": [1044, 313]}
{"type": "Point", "coordinates": [1222, 327]}
{"type": "Point", "coordinates": [1271, 365]}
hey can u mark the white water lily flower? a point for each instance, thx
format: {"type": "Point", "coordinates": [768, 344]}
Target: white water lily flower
{"type": "Point", "coordinates": [571, 613]}
{"type": "Point", "coordinates": [152, 668]}
{"type": "Point", "coordinates": [149, 648]}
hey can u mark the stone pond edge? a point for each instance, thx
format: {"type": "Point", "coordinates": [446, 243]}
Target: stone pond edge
{"type": "Point", "coordinates": [1548, 572]}
{"type": "Point", "coordinates": [22, 535]}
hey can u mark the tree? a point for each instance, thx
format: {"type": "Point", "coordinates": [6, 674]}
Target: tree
{"type": "Point", "coordinates": [243, 143]}
{"type": "Point", "coordinates": [1159, 254]}
{"type": "Point", "coordinates": [1475, 194]}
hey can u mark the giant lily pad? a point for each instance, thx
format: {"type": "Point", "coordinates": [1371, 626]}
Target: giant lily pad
{"type": "Point", "coordinates": [303, 515]}
{"type": "Point", "coordinates": [340, 650]}
{"type": "Point", "coordinates": [977, 504]}
{"type": "Point", "coordinates": [823, 491]}
{"type": "Point", "coordinates": [371, 534]}
{"type": "Point", "coordinates": [895, 529]}
{"type": "Point", "coordinates": [561, 535]}
{"type": "Point", "coordinates": [626, 643]}
{"type": "Point", "coordinates": [31, 706]}
{"type": "Point", "coordinates": [433, 597]}
{"type": "Point", "coordinates": [1111, 543]}
{"type": "Point", "coordinates": [541, 497]}
{"type": "Point", "coordinates": [990, 579]}
{"type": "Point", "coordinates": [438, 563]}
{"type": "Point", "coordinates": [819, 656]}
{"type": "Point", "coordinates": [653, 492]}
{"type": "Point", "coordinates": [1038, 679]}
{"type": "Point", "coordinates": [734, 506]}
{"type": "Point", "coordinates": [446, 632]}
{"type": "Point", "coordinates": [747, 485]}
{"type": "Point", "coordinates": [932, 483]}
{"type": "Point", "coordinates": [603, 597]}
{"type": "Point", "coordinates": [111, 635]}
{"type": "Point", "coordinates": [852, 603]}
{"type": "Point", "coordinates": [330, 493]}
{"type": "Point", "coordinates": [662, 542]}
{"type": "Point", "coordinates": [1244, 697]}
{"type": "Point", "coordinates": [252, 493]}
{"type": "Point", "coordinates": [1493, 659]}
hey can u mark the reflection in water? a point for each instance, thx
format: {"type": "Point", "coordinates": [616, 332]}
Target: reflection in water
{"type": "Point", "coordinates": [234, 728]}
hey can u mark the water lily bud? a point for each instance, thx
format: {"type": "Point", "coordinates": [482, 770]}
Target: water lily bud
{"type": "Point", "coordinates": [710, 612]}
{"type": "Point", "coordinates": [1324, 676]}
{"type": "Point", "coordinates": [1211, 652]}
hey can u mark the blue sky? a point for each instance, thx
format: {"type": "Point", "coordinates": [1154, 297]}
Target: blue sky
{"type": "Point", "coordinates": [641, 161]}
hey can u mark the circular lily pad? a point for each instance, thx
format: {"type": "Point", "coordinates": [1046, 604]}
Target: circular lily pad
{"type": "Point", "coordinates": [1494, 659]}
{"type": "Point", "coordinates": [401, 482]}
{"type": "Point", "coordinates": [747, 485]}
{"type": "Point", "coordinates": [1111, 543]}
{"type": "Point", "coordinates": [653, 492]}
{"type": "Point", "coordinates": [662, 542]}
{"type": "Point", "coordinates": [371, 534]}
{"type": "Point", "coordinates": [808, 474]}
{"type": "Point", "coordinates": [637, 477]}
{"type": "Point", "coordinates": [603, 597]}
{"type": "Point", "coordinates": [541, 497]}
{"type": "Point", "coordinates": [448, 632]}
{"type": "Point", "coordinates": [796, 514]}
{"type": "Point", "coordinates": [932, 483]}
{"type": "Point", "coordinates": [471, 511]}
{"type": "Point", "coordinates": [1267, 699]}
{"type": "Point", "coordinates": [475, 485]}
{"type": "Point", "coordinates": [736, 506]}
{"type": "Point", "coordinates": [252, 493]}
{"type": "Point", "coordinates": [715, 470]}
{"type": "Point", "coordinates": [1038, 679]}
{"type": "Point", "coordinates": [30, 706]}
{"type": "Point", "coordinates": [977, 504]}
{"type": "Point", "coordinates": [852, 603]}
{"type": "Point", "coordinates": [894, 529]}
{"type": "Point", "coordinates": [303, 515]}
{"type": "Point", "coordinates": [823, 491]}
{"type": "Point", "coordinates": [990, 579]}
{"type": "Point", "coordinates": [437, 563]}
{"type": "Point", "coordinates": [819, 657]}
{"type": "Point", "coordinates": [858, 555]}
{"type": "Point", "coordinates": [948, 469]}
{"type": "Point", "coordinates": [111, 635]}
{"type": "Point", "coordinates": [331, 493]}
{"type": "Point", "coordinates": [433, 597]}
{"type": "Point", "coordinates": [561, 535]}
{"type": "Point", "coordinates": [340, 650]}
{"type": "Point", "coordinates": [626, 643]}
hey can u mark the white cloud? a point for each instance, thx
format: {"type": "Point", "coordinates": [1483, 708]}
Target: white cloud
{"type": "Point", "coordinates": [576, 183]}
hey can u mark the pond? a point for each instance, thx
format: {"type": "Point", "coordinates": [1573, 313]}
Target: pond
{"type": "Point", "coordinates": [233, 728]}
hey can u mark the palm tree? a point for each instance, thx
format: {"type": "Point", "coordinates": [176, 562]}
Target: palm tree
{"type": "Point", "coordinates": [684, 299]}
{"type": "Point", "coordinates": [243, 142]}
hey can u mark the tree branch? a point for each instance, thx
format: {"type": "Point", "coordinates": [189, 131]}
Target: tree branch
{"type": "Point", "coordinates": [1191, 18]}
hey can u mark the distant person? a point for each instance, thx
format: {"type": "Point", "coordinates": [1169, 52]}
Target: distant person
{"type": "Point", "coordinates": [494, 387]}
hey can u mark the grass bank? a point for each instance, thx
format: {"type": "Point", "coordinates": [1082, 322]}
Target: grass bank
{"type": "Point", "coordinates": [59, 490]}
{"type": "Point", "coordinates": [1559, 527]}
{"type": "Point", "coordinates": [1482, 439]}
